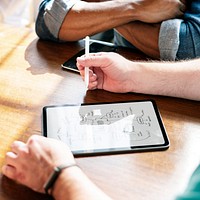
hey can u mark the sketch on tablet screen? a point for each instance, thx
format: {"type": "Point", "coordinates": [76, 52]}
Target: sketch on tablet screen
{"type": "Point", "coordinates": [105, 126]}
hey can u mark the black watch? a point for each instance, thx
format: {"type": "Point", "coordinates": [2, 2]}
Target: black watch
{"type": "Point", "coordinates": [54, 175]}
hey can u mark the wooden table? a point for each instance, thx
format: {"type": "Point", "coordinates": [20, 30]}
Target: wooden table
{"type": "Point", "coordinates": [31, 77]}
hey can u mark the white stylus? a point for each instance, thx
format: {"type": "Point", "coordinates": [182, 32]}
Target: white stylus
{"type": "Point", "coordinates": [87, 51]}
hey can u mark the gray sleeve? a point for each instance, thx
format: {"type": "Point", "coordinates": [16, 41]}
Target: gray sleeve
{"type": "Point", "coordinates": [55, 13]}
{"type": "Point", "coordinates": [169, 39]}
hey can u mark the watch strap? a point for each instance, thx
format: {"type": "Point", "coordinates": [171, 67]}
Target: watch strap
{"type": "Point", "coordinates": [54, 176]}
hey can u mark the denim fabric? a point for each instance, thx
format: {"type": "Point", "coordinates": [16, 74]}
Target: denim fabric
{"type": "Point", "coordinates": [178, 39]}
{"type": "Point", "coordinates": [169, 39]}
{"type": "Point", "coordinates": [40, 27]}
{"type": "Point", "coordinates": [50, 18]}
{"type": "Point", "coordinates": [185, 45]}
{"type": "Point", "coordinates": [189, 46]}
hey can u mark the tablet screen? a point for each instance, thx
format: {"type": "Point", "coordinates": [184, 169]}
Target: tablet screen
{"type": "Point", "coordinates": [106, 127]}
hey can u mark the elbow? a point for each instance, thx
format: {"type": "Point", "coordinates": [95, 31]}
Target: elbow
{"type": "Point", "coordinates": [42, 30]}
{"type": "Point", "coordinates": [69, 35]}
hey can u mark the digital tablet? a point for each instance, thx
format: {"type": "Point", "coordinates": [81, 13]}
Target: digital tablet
{"type": "Point", "coordinates": [95, 47]}
{"type": "Point", "coordinates": [106, 128]}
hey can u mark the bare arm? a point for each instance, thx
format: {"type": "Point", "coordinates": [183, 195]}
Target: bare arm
{"type": "Point", "coordinates": [144, 36]}
{"type": "Point", "coordinates": [89, 18]}
{"type": "Point", "coordinates": [44, 154]}
{"type": "Point", "coordinates": [177, 79]}
{"type": "Point", "coordinates": [73, 184]}
{"type": "Point", "coordinates": [112, 72]}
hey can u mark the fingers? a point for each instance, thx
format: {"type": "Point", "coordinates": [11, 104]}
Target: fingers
{"type": "Point", "coordinates": [38, 150]}
{"type": "Point", "coordinates": [18, 147]}
{"type": "Point", "coordinates": [34, 143]}
{"type": "Point", "coordinates": [9, 171]}
{"type": "Point", "coordinates": [94, 60]}
{"type": "Point", "coordinates": [181, 9]}
{"type": "Point", "coordinates": [93, 82]}
{"type": "Point", "coordinates": [93, 85]}
{"type": "Point", "coordinates": [184, 1]}
{"type": "Point", "coordinates": [100, 64]}
{"type": "Point", "coordinates": [92, 79]}
{"type": "Point", "coordinates": [183, 6]}
{"type": "Point", "coordinates": [12, 159]}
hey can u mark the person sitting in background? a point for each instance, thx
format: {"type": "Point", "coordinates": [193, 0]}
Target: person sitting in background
{"type": "Point", "coordinates": [60, 20]}
{"type": "Point", "coordinates": [174, 39]}
{"type": "Point", "coordinates": [48, 155]}
{"type": "Point", "coordinates": [112, 72]}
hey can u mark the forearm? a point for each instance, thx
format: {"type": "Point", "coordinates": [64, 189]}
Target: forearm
{"type": "Point", "coordinates": [73, 20]}
{"type": "Point", "coordinates": [73, 184]}
{"type": "Point", "coordinates": [178, 79]}
{"type": "Point", "coordinates": [143, 36]}
{"type": "Point", "coordinates": [91, 18]}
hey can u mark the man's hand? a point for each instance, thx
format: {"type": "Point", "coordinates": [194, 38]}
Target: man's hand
{"type": "Point", "coordinates": [154, 11]}
{"type": "Point", "coordinates": [109, 71]}
{"type": "Point", "coordinates": [31, 163]}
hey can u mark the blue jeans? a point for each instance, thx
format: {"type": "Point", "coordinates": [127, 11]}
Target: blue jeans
{"type": "Point", "coordinates": [178, 39]}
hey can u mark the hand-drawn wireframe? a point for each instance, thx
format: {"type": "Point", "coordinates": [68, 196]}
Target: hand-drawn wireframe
{"type": "Point", "coordinates": [102, 126]}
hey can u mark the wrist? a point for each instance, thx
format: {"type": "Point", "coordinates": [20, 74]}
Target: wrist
{"type": "Point", "coordinates": [66, 184]}
{"type": "Point", "coordinates": [129, 10]}
{"type": "Point", "coordinates": [134, 77]}
{"type": "Point", "coordinates": [51, 181]}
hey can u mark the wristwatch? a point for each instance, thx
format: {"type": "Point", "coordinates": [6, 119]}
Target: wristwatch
{"type": "Point", "coordinates": [54, 175]}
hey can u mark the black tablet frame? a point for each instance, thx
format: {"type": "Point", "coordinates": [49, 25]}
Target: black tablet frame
{"type": "Point", "coordinates": [95, 152]}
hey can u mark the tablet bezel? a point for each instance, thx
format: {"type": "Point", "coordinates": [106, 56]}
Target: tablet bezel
{"type": "Point", "coordinates": [120, 150]}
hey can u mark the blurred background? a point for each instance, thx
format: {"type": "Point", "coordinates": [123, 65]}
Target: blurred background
{"type": "Point", "coordinates": [19, 12]}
